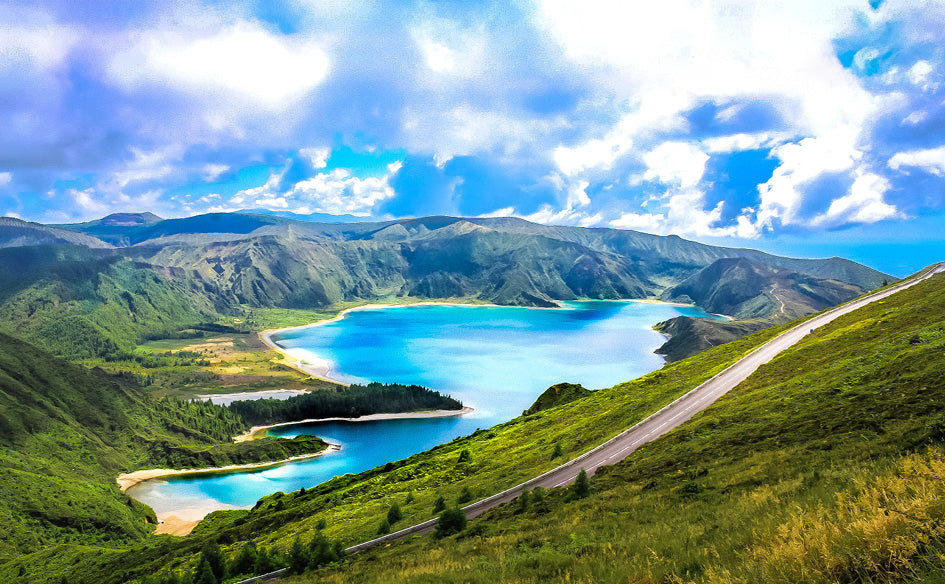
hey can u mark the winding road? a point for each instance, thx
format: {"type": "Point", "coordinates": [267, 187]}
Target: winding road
{"type": "Point", "coordinates": [657, 424]}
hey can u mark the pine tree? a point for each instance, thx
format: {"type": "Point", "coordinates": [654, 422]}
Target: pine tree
{"type": "Point", "coordinates": [263, 563]}
{"type": "Point", "coordinates": [557, 452]}
{"type": "Point", "coordinates": [451, 521]}
{"type": "Point", "coordinates": [298, 557]}
{"type": "Point", "coordinates": [465, 496]}
{"type": "Point", "coordinates": [214, 557]}
{"type": "Point", "coordinates": [439, 505]}
{"type": "Point", "coordinates": [582, 487]}
{"type": "Point", "coordinates": [244, 561]}
{"type": "Point", "coordinates": [384, 527]}
{"type": "Point", "coordinates": [205, 573]}
{"type": "Point", "coordinates": [523, 501]}
{"type": "Point", "coordinates": [394, 514]}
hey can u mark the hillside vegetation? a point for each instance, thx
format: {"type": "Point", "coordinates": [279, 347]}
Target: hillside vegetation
{"type": "Point", "coordinates": [827, 465]}
{"type": "Point", "coordinates": [66, 432]}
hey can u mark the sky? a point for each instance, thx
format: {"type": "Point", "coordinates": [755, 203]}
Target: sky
{"type": "Point", "coordinates": [801, 127]}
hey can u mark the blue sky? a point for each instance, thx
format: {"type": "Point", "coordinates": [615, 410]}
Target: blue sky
{"type": "Point", "coordinates": [803, 127]}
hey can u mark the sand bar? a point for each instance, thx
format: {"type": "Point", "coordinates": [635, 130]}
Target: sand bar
{"type": "Point", "coordinates": [127, 480]}
{"type": "Point", "coordinates": [259, 431]}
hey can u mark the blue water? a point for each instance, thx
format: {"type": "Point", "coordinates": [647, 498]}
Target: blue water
{"type": "Point", "coordinates": [495, 359]}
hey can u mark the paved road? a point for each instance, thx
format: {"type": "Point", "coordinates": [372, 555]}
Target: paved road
{"type": "Point", "coordinates": [663, 421]}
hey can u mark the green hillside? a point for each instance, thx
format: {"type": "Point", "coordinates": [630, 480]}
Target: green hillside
{"type": "Point", "coordinates": [834, 447]}
{"type": "Point", "coordinates": [80, 303]}
{"type": "Point", "coordinates": [827, 465]}
{"type": "Point", "coordinates": [66, 433]}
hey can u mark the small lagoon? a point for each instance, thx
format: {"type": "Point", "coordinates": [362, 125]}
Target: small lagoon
{"type": "Point", "coordinates": [495, 359]}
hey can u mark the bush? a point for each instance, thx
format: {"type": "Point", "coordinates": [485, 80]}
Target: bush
{"type": "Point", "coordinates": [451, 521]}
{"type": "Point", "coordinates": [394, 514]}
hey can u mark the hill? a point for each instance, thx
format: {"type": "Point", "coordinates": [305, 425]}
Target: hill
{"type": "Point", "coordinates": [746, 289]}
{"type": "Point", "coordinates": [827, 465]}
{"type": "Point", "coordinates": [18, 233]}
{"type": "Point", "coordinates": [66, 432]}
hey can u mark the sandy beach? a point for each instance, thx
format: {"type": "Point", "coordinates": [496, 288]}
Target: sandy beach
{"type": "Point", "coordinates": [259, 431]}
{"type": "Point", "coordinates": [128, 480]}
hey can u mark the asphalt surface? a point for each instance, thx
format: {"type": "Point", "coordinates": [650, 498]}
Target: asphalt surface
{"type": "Point", "coordinates": [663, 421]}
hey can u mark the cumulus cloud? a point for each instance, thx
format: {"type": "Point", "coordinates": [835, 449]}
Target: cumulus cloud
{"type": "Point", "coordinates": [243, 60]}
{"type": "Point", "coordinates": [336, 191]}
{"type": "Point", "coordinates": [931, 160]}
{"type": "Point", "coordinates": [679, 163]}
{"type": "Point", "coordinates": [863, 204]}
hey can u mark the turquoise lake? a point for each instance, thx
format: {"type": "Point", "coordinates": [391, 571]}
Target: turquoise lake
{"type": "Point", "coordinates": [495, 359]}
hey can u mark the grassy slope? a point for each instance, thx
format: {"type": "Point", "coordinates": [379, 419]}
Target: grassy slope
{"type": "Point", "coordinates": [825, 466]}
{"type": "Point", "coordinates": [80, 303]}
{"type": "Point", "coordinates": [354, 504]}
{"type": "Point", "coordinates": [66, 432]}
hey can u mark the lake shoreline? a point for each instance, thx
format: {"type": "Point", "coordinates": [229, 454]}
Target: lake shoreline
{"type": "Point", "coordinates": [322, 369]}
{"type": "Point", "coordinates": [127, 480]}
{"type": "Point", "coordinates": [255, 431]}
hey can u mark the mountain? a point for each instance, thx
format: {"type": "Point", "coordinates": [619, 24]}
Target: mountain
{"type": "Point", "coordinates": [315, 217]}
{"type": "Point", "coordinates": [747, 289]}
{"type": "Point", "coordinates": [826, 465]}
{"type": "Point", "coordinates": [18, 233]}
{"type": "Point", "coordinates": [170, 273]}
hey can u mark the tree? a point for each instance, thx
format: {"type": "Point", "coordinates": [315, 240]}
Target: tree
{"type": "Point", "coordinates": [452, 520]}
{"type": "Point", "coordinates": [394, 514]}
{"type": "Point", "coordinates": [409, 498]}
{"type": "Point", "coordinates": [321, 551]}
{"type": "Point", "coordinates": [263, 563]}
{"type": "Point", "coordinates": [205, 573]}
{"type": "Point", "coordinates": [439, 504]}
{"type": "Point", "coordinates": [322, 524]}
{"type": "Point", "coordinates": [557, 451]}
{"type": "Point", "coordinates": [465, 456]}
{"type": "Point", "coordinates": [298, 557]}
{"type": "Point", "coordinates": [582, 487]}
{"type": "Point", "coordinates": [214, 557]}
{"type": "Point", "coordinates": [523, 500]}
{"type": "Point", "coordinates": [245, 560]}
{"type": "Point", "coordinates": [465, 496]}
{"type": "Point", "coordinates": [384, 527]}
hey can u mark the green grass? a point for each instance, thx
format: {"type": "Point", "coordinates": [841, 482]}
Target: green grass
{"type": "Point", "coordinates": [825, 466]}
{"type": "Point", "coordinates": [353, 505]}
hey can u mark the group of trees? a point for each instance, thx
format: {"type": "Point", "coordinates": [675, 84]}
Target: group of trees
{"type": "Point", "coordinates": [350, 402]}
{"type": "Point", "coordinates": [213, 567]}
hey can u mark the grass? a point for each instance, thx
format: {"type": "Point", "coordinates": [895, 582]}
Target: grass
{"type": "Point", "coordinates": [825, 466]}
{"type": "Point", "coordinates": [353, 505]}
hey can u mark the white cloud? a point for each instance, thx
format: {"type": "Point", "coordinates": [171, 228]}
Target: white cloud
{"type": "Point", "coordinates": [801, 162]}
{"type": "Point", "coordinates": [318, 157]}
{"type": "Point", "coordinates": [931, 160]}
{"type": "Point", "coordinates": [336, 192]}
{"type": "Point", "coordinates": [863, 204]}
{"type": "Point", "coordinates": [449, 49]}
{"type": "Point", "coordinates": [465, 129]}
{"type": "Point", "coordinates": [685, 214]}
{"type": "Point", "coordinates": [658, 112]}
{"type": "Point", "coordinates": [720, 52]}
{"type": "Point", "coordinates": [45, 45]}
{"type": "Point", "coordinates": [678, 163]}
{"type": "Point", "coordinates": [5, 178]}
{"type": "Point", "coordinates": [242, 61]}
{"type": "Point", "coordinates": [919, 75]}
{"type": "Point", "coordinates": [212, 172]}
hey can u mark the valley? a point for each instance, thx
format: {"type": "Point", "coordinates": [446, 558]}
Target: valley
{"type": "Point", "coordinates": [188, 327]}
